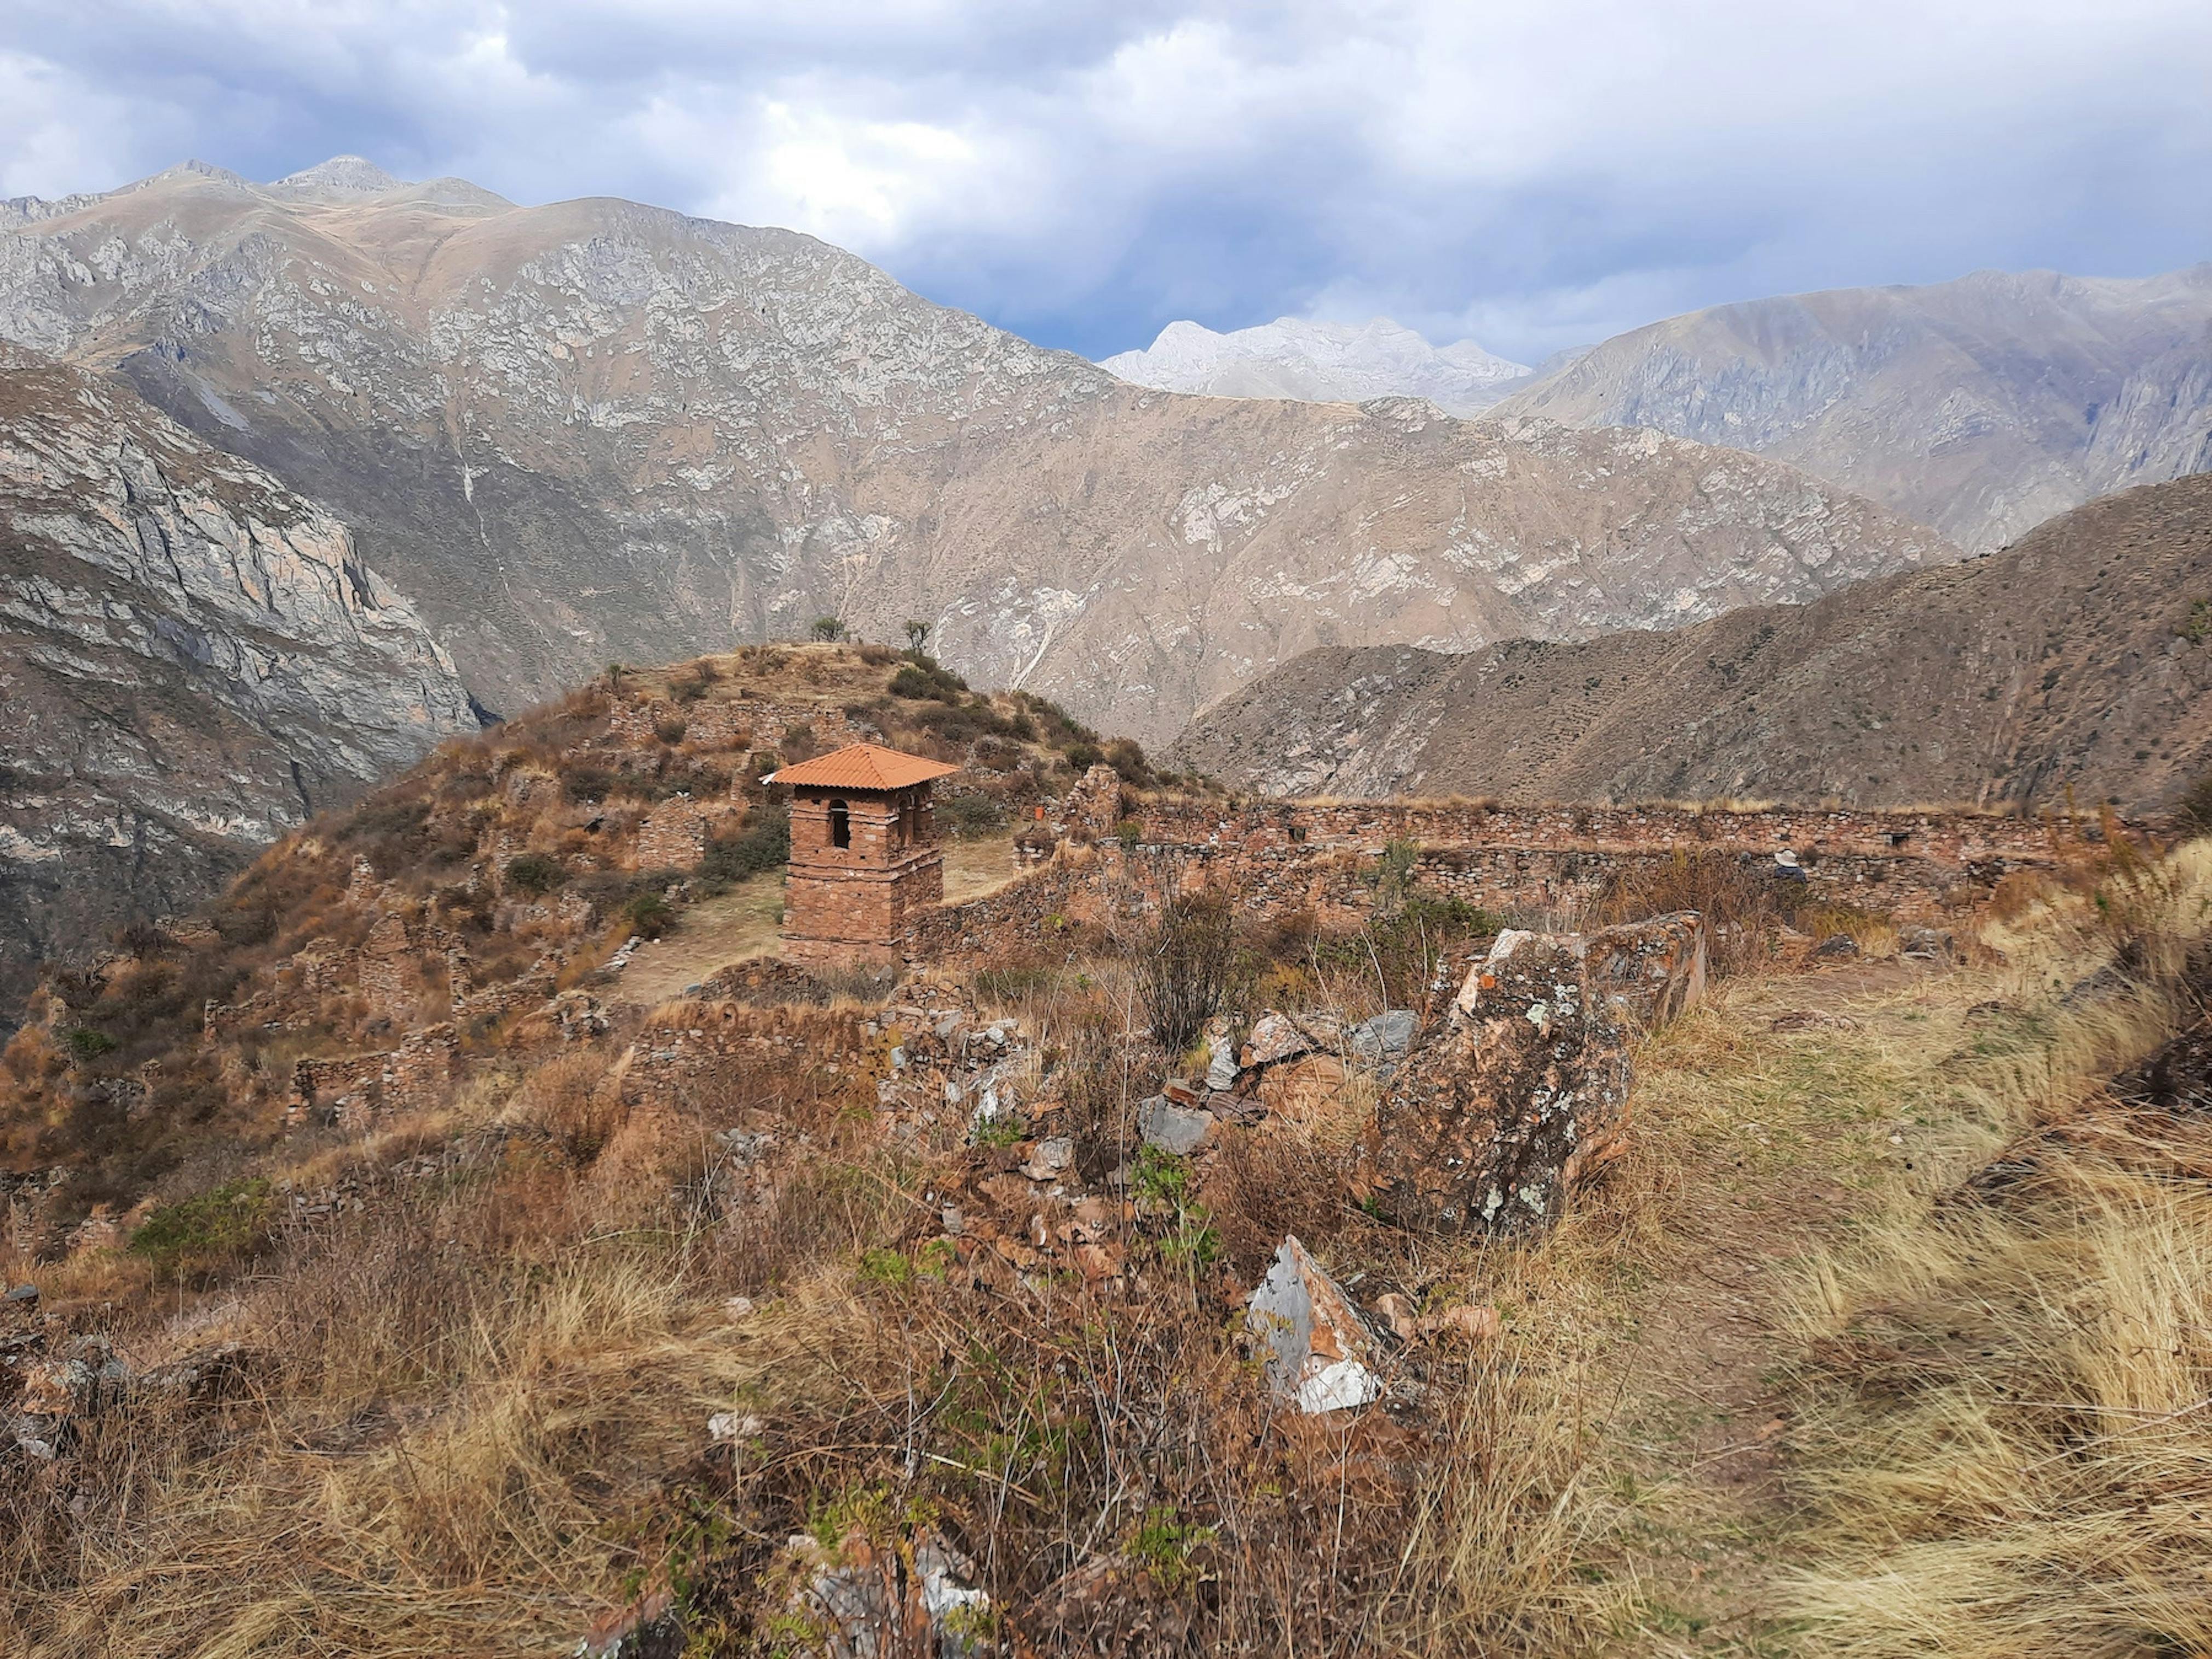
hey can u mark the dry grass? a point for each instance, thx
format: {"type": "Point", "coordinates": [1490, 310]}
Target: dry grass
{"type": "Point", "coordinates": [2007, 1431]}
{"type": "Point", "coordinates": [475, 1413]}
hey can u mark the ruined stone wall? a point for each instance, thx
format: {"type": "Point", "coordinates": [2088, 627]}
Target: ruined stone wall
{"type": "Point", "coordinates": [352, 1090]}
{"type": "Point", "coordinates": [1957, 838]}
{"type": "Point", "coordinates": [673, 837]}
{"type": "Point", "coordinates": [1546, 866]}
{"type": "Point", "coordinates": [730, 723]}
{"type": "Point", "coordinates": [1524, 884]}
{"type": "Point", "coordinates": [1027, 914]}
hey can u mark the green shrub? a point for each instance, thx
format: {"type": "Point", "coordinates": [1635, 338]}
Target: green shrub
{"type": "Point", "coordinates": [1083, 756]}
{"type": "Point", "coordinates": [889, 1268]}
{"type": "Point", "coordinates": [214, 1230]}
{"type": "Point", "coordinates": [924, 678]}
{"type": "Point", "coordinates": [830, 629]}
{"type": "Point", "coordinates": [763, 845]}
{"type": "Point", "coordinates": [535, 873]}
{"type": "Point", "coordinates": [969, 815]}
{"type": "Point", "coordinates": [1127, 756]}
{"type": "Point", "coordinates": [85, 1044]}
{"type": "Point", "coordinates": [650, 914]}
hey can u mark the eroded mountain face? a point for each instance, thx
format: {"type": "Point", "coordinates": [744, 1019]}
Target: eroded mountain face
{"type": "Point", "coordinates": [596, 431]}
{"type": "Point", "coordinates": [1981, 406]}
{"type": "Point", "coordinates": [193, 659]}
{"type": "Point", "coordinates": [2078, 663]}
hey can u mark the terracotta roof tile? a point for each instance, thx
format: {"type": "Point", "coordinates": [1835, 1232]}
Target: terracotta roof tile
{"type": "Point", "coordinates": [862, 766]}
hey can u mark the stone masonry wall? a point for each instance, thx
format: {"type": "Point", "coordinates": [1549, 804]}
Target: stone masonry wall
{"type": "Point", "coordinates": [1547, 864]}
{"type": "Point", "coordinates": [1956, 838]}
{"type": "Point", "coordinates": [673, 837]}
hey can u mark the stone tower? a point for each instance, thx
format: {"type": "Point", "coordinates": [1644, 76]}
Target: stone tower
{"type": "Point", "coordinates": [864, 857]}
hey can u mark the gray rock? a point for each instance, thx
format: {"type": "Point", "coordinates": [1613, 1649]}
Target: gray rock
{"type": "Point", "coordinates": [23, 1294]}
{"type": "Point", "coordinates": [1321, 1353]}
{"type": "Point", "coordinates": [1181, 1130]}
{"type": "Point", "coordinates": [1386, 1036]}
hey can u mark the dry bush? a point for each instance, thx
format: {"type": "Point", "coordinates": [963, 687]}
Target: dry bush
{"type": "Point", "coordinates": [1743, 904]}
{"type": "Point", "coordinates": [1184, 967]}
{"type": "Point", "coordinates": [1265, 1186]}
{"type": "Point", "coordinates": [572, 1099]}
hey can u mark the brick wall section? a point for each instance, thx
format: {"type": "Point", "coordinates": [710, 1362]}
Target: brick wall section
{"type": "Point", "coordinates": [852, 906]}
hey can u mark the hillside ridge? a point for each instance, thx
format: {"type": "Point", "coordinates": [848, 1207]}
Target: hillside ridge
{"type": "Point", "coordinates": [2077, 664]}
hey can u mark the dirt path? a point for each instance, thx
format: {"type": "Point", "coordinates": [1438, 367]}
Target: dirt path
{"type": "Point", "coordinates": [743, 922]}
{"type": "Point", "coordinates": [1767, 1144]}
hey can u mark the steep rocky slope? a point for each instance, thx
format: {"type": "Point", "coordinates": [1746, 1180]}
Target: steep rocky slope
{"type": "Point", "coordinates": [1980, 406]}
{"type": "Point", "coordinates": [1321, 362]}
{"type": "Point", "coordinates": [2078, 660]}
{"type": "Point", "coordinates": [594, 430]}
{"type": "Point", "coordinates": [193, 660]}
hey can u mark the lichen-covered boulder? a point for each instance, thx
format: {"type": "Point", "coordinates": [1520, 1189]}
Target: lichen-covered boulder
{"type": "Point", "coordinates": [1513, 1096]}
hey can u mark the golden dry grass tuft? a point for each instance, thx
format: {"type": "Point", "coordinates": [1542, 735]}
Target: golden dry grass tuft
{"type": "Point", "coordinates": [2006, 1434]}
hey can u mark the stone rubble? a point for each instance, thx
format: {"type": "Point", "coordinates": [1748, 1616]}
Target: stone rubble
{"type": "Point", "coordinates": [1321, 1355]}
{"type": "Point", "coordinates": [913, 1599]}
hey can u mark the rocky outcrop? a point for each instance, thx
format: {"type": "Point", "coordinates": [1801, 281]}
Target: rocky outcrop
{"type": "Point", "coordinates": [194, 660]}
{"type": "Point", "coordinates": [594, 431]}
{"type": "Point", "coordinates": [2075, 665]}
{"type": "Point", "coordinates": [1519, 1092]}
{"type": "Point", "coordinates": [1980, 406]}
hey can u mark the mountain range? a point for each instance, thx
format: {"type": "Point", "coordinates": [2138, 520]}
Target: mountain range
{"type": "Point", "coordinates": [596, 431]}
{"type": "Point", "coordinates": [194, 660]}
{"type": "Point", "coordinates": [2076, 666]}
{"type": "Point", "coordinates": [1322, 362]}
{"type": "Point", "coordinates": [1980, 406]}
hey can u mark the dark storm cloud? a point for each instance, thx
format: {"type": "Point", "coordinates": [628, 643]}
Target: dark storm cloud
{"type": "Point", "coordinates": [1535, 175]}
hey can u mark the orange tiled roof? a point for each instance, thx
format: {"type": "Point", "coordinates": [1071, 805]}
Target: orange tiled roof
{"type": "Point", "coordinates": [862, 766]}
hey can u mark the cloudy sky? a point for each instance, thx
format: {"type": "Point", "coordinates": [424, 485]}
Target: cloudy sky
{"type": "Point", "coordinates": [1537, 174]}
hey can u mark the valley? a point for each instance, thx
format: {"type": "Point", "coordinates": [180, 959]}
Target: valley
{"type": "Point", "coordinates": [700, 960]}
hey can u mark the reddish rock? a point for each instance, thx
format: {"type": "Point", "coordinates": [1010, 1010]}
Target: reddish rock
{"type": "Point", "coordinates": [1654, 970]}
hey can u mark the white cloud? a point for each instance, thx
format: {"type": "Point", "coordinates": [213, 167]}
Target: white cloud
{"type": "Point", "coordinates": [56, 133]}
{"type": "Point", "coordinates": [1085, 171]}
